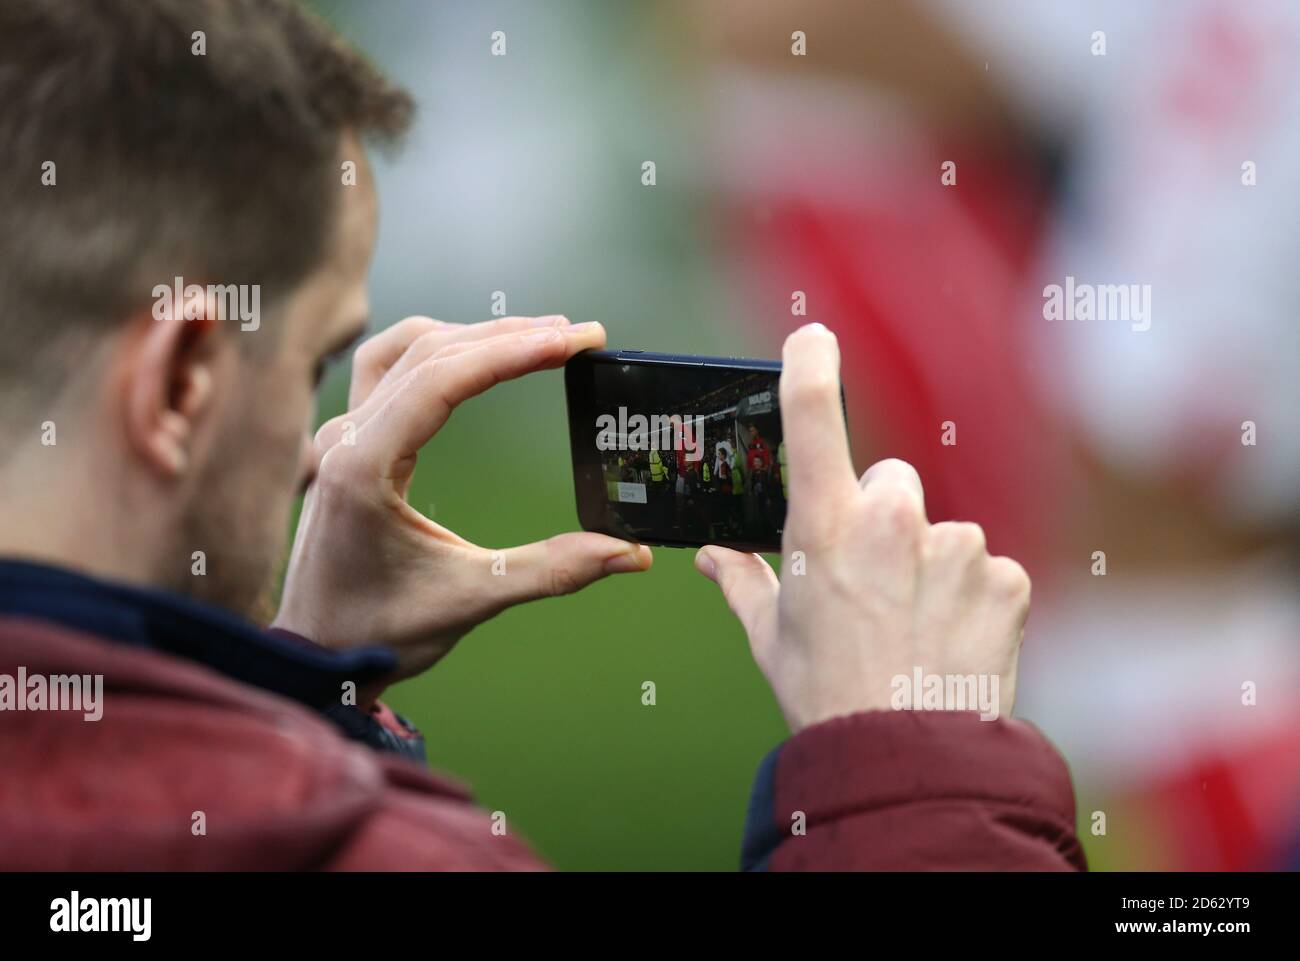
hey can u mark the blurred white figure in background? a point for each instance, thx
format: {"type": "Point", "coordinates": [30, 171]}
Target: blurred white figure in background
{"type": "Point", "coordinates": [1184, 138]}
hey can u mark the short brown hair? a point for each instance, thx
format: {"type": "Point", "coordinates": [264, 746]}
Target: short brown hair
{"type": "Point", "coordinates": [219, 167]}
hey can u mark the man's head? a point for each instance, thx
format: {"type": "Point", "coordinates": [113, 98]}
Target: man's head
{"type": "Point", "coordinates": [152, 146]}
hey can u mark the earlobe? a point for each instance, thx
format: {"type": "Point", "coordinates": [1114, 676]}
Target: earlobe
{"type": "Point", "coordinates": [169, 388]}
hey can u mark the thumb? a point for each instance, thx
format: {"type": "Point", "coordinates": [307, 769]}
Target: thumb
{"type": "Point", "coordinates": [563, 564]}
{"type": "Point", "coordinates": [749, 585]}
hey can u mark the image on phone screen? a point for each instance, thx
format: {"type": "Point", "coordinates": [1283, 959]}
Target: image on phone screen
{"type": "Point", "coordinates": [678, 450]}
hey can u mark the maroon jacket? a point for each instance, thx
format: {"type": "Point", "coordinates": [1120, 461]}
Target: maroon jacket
{"type": "Point", "coordinates": [277, 786]}
{"type": "Point", "coordinates": [196, 764]}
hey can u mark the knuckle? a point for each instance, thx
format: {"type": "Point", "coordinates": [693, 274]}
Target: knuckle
{"type": "Point", "coordinates": [546, 341]}
{"type": "Point", "coordinates": [417, 326]}
{"type": "Point", "coordinates": [893, 505]}
{"type": "Point", "coordinates": [968, 537]}
{"type": "Point", "coordinates": [327, 436]}
{"type": "Point", "coordinates": [432, 344]}
{"type": "Point", "coordinates": [957, 538]}
{"type": "Point", "coordinates": [338, 472]}
{"type": "Point", "coordinates": [1009, 579]}
{"type": "Point", "coordinates": [563, 580]}
{"type": "Point", "coordinates": [365, 354]}
{"type": "Point", "coordinates": [428, 372]}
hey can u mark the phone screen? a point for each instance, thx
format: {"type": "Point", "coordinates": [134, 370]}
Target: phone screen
{"type": "Point", "coordinates": [678, 450]}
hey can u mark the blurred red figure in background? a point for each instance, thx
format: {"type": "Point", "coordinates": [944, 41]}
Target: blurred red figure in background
{"type": "Point", "coordinates": [920, 203]}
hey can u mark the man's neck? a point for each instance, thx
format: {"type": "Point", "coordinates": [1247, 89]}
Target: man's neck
{"type": "Point", "coordinates": [72, 515]}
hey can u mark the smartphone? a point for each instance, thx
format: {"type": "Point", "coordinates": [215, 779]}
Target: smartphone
{"type": "Point", "coordinates": [677, 450]}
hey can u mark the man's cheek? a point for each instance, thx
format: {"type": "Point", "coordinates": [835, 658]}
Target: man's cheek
{"type": "Point", "coordinates": [281, 445]}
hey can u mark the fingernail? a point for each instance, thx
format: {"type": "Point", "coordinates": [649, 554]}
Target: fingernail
{"type": "Point", "coordinates": [582, 328]}
{"type": "Point", "coordinates": [550, 320]}
{"type": "Point", "coordinates": [541, 336]}
{"type": "Point", "coordinates": [706, 565]}
{"type": "Point", "coordinates": [816, 327]}
{"type": "Point", "coordinates": [623, 564]}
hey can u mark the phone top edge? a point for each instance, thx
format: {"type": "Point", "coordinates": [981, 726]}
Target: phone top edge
{"type": "Point", "coordinates": [633, 356]}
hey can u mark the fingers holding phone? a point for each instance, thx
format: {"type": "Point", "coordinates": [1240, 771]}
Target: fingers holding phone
{"type": "Point", "coordinates": [369, 569]}
{"type": "Point", "coordinates": [873, 601]}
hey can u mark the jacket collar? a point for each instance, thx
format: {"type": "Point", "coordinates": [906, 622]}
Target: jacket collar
{"type": "Point", "coordinates": [187, 628]}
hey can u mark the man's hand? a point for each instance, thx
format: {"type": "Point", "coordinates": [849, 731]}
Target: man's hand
{"type": "Point", "coordinates": [369, 569]}
{"type": "Point", "coordinates": [882, 591]}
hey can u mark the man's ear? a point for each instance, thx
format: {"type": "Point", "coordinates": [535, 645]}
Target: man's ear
{"type": "Point", "coordinates": [170, 379]}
